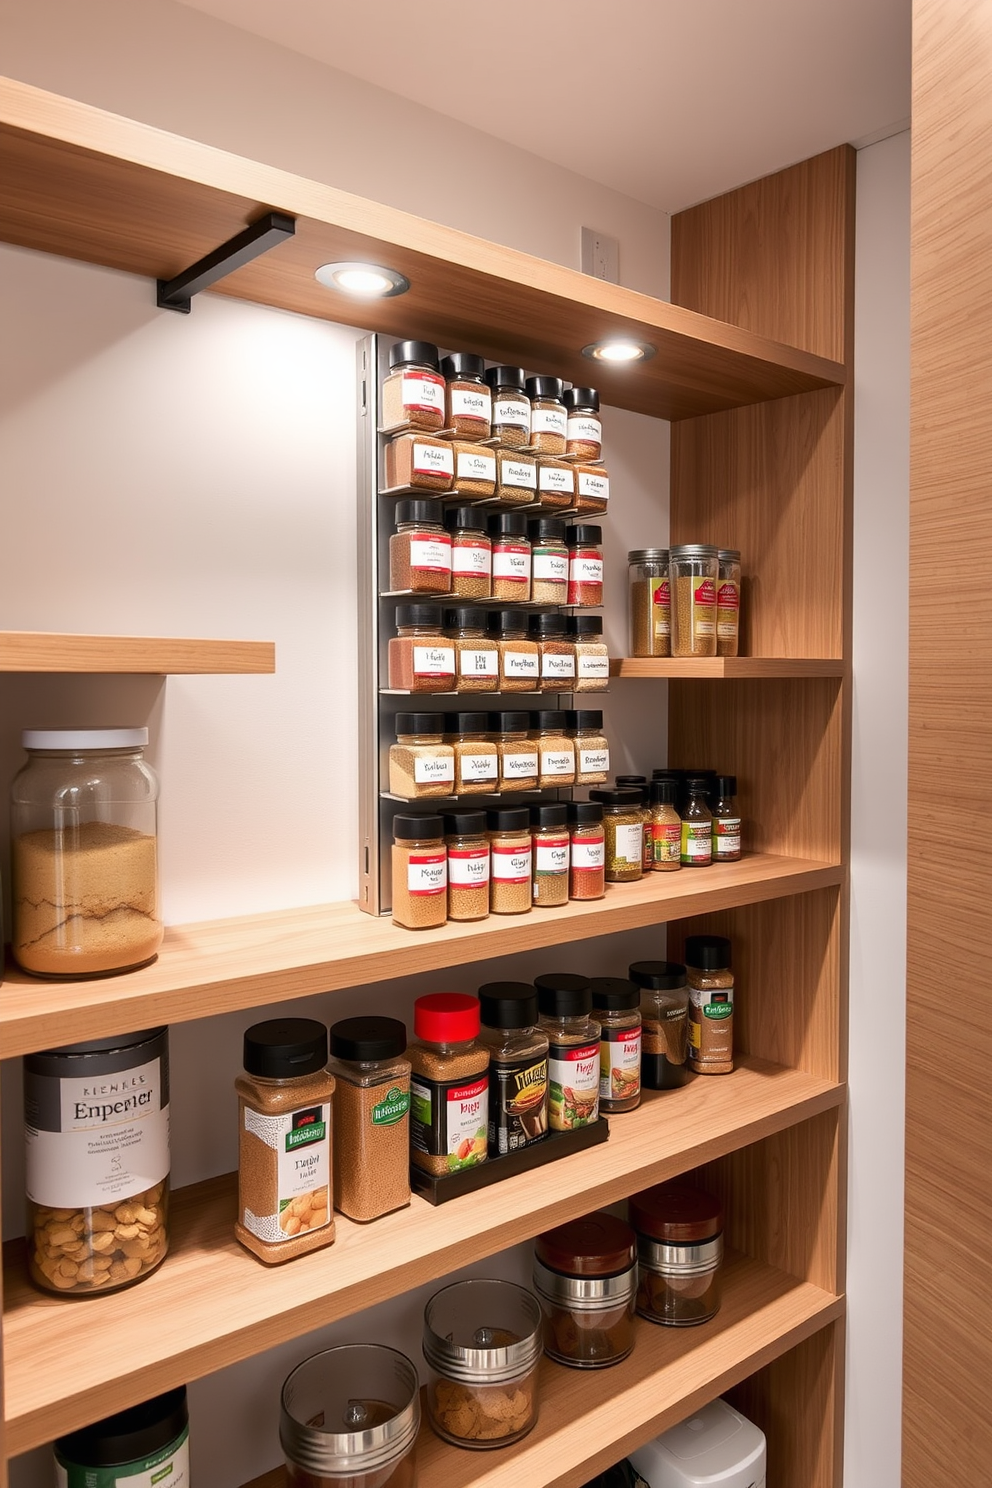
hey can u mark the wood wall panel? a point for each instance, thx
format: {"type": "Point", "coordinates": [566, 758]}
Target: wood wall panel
{"type": "Point", "coordinates": [795, 1401]}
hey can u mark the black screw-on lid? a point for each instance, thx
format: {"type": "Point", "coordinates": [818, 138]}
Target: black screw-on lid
{"type": "Point", "coordinates": [508, 1005]}
{"type": "Point", "coordinates": [463, 364]}
{"type": "Point", "coordinates": [508, 524]}
{"type": "Point", "coordinates": [462, 518]}
{"type": "Point", "coordinates": [549, 718]}
{"type": "Point", "coordinates": [708, 952]}
{"type": "Point", "coordinates": [130, 1435]}
{"type": "Point", "coordinates": [585, 625]}
{"type": "Point", "coordinates": [623, 780]}
{"type": "Point", "coordinates": [551, 624]}
{"type": "Point", "coordinates": [418, 511]}
{"type": "Point", "coordinates": [699, 785]}
{"type": "Point", "coordinates": [726, 785]}
{"type": "Point", "coordinates": [466, 723]}
{"type": "Point", "coordinates": [508, 377]}
{"type": "Point", "coordinates": [585, 813]}
{"type": "Point", "coordinates": [463, 823]}
{"type": "Point", "coordinates": [561, 995]}
{"type": "Point", "coordinates": [584, 534]}
{"type": "Point", "coordinates": [581, 398]}
{"type": "Point", "coordinates": [365, 1039]}
{"type": "Point", "coordinates": [413, 351]}
{"type": "Point", "coordinates": [662, 772]}
{"type": "Point", "coordinates": [419, 723]}
{"type": "Point", "coordinates": [657, 976]}
{"type": "Point", "coordinates": [614, 994]}
{"type": "Point", "coordinates": [282, 1048]}
{"type": "Point", "coordinates": [417, 828]}
{"type": "Point", "coordinates": [545, 387]}
{"type": "Point", "coordinates": [551, 814]}
{"type": "Point", "coordinates": [664, 792]}
{"type": "Point", "coordinates": [516, 722]}
{"type": "Point", "coordinates": [585, 718]}
{"type": "Point", "coordinates": [418, 614]}
{"type": "Point", "coordinates": [508, 819]}
{"type": "Point", "coordinates": [546, 529]}
{"type": "Point", "coordinates": [630, 796]}
{"type": "Point", "coordinates": [507, 622]}
{"type": "Point", "coordinates": [465, 617]}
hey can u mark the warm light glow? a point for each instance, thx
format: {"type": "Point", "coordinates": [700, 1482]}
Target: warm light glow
{"type": "Point", "coordinates": [369, 281]}
{"type": "Point", "coordinates": [619, 351]}
{"type": "Point", "coordinates": [363, 281]}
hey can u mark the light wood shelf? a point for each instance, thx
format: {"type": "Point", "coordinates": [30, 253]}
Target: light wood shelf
{"type": "Point", "coordinates": [173, 1337]}
{"type": "Point", "coordinates": [51, 651]}
{"type": "Point", "coordinates": [677, 667]}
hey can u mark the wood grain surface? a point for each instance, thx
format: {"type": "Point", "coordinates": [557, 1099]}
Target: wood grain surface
{"type": "Point", "coordinates": [725, 666]}
{"type": "Point", "coordinates": [48, 651]}
{"type": "Point", "coordinates": [797, 1403]}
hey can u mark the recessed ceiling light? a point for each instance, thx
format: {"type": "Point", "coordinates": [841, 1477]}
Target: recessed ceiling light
{"type": "Point", "coordinates": [368, 281]}
{"type": "Point", "coordinates": [620, 349]}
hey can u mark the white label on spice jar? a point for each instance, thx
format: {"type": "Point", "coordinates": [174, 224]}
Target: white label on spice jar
{"type": "Point", "coordinates": [630, 843]}
{"type": "Point", "coordinates": [548, 421]}
{"type": "Point", "coordinates": [478, 663]}
{"type": "Point", "coordinates": [512, 864]}
{"type": "Point", "coordinates": [426, 873]}
{"type": "Point", "coordinates": [301, 1141]}
{"type": "Point", "coordinates": [588, 856]}
{"type": "Point", "coordinates": [512, 561]}
{"type": "Point", "coordinates": [513, 411]}
{"type": "Point", "coordinates": [433, 661]}
{"type": "Point", "coordinates": [620, 1064]}
{"type": "Point", "coordinates": [554, 478]}
{"type": "Point", "coordinates": [592, 665]}
{"type": "Point", "coordinates": [477, 465]}
{"type": "Point", "coordinates": [432, 769]}
{"type": "Point", "coordinates": [519, 473]}
{"type": "Point", "coordinates": [585, 428]}
{"type": "Point", "coordinates": [552, 857]}
{"type": "Point", "coordinates": [573, 1085]}
{"type": "Point", "coordinates": [597, 486]}
{"type": "Point", "coordinates": [557, 762]}
{"type": "Point", "coordinates": [519, 766]}
{"type": "Point", "coordinates": [432, 459]}
{"type": "Point", "coordinates": [552, 566]}
{"type": "Point", "coordinates": [433, 553]}
{"type": "Point", "coordinates": [584, 568]}
{"type": "Point", "coordinates": [558, 664]}
{"type": "Point", "coordinates": [476, 767]}
{"type": "Point", "coordinates": [592, 760]}
{"type": "Point", "coordinates": [520, 664]}
{"type": "Point", "coordinates": [726, 836]}
{"type": "Point", "coordinates": [423, 390]}
{"type": "Point", "coordinates": [468, 867]}
{"type": "Point", "coordinates": [169, 1467]}
{"type": "Point", "coordinates": [475, 558]}
{"type": "Point", "coordinates": [473, 402]}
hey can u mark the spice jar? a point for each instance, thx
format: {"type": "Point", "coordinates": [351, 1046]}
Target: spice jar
{"type": "Point", "coordinates": [476, 654]}
{"type": "Point", "coordinates": [471, 553]}
{"type": "Point", "coordinates": [617, 1006]}
{"type": "Point", "coordinates": [666, 827]}
{"type": "Point", "coordinates": [557, 653]}
{"type": "Point", "coordinates": [548, 419]}
{"type": "Point", "coordinates": [549, 839]}
{"type": "Point", "coordinates": [419, 462]}
{"type": "Point", "coordinates": [585, 1273]}
{"type": "Point", "coordinates": [419, 550]}
{"type": "Point", "coordinates": [649, 593]}
{"type": "Point", "coordinates": [585, 565]}
{"type": "Point", "coordinates": [475, 469]}
{"type": "Point", "coordinates": [726, 822]}
{"type": "Point", "coordinates": [147, 1443]}
{"type": "Point", "coordinates": [419, 657]}
{"type": "Point", "coordinates": [371, 1117]}
{"type": "Point", "coordinates": [624, 825]}
{"type": "Point", "coordinates": [587, 851]}
{"type": "Point", "coordinates": [96, 1134]}
{"type": "Point", "coordinates": [592, 749]}
{"type": "Point", "coordinates": [84, 853]}
{"type": "Point", "coordinates": [519, 657]}
{"type": "Point", "coordinates": [728, 602]}
{"type": "Point", "coordinates": [555, 484]}
{"type": "Point", "coordinates": [468, 400]}
{"type": "Point", "coordinates": [679, 1252]}
{"type": "Point", "coordinates": [565, 1002]}
{"type": "Point", "coordinates": [664, 1022]}
{"type": "Point", "coordinates": [556, 751]}
{"type": "Point", "coordinates": [468, 865]}
{"type": "Point", "coordinates": [482, 1344]}
{"type": "Point", "coordinates": [284, 1140]}
{"type": "Point", "coordinates": [517, 752]}
{"type": "Point", "coordinates": [420, 763]}
{"type": "Point", "coordinates": [640, 784]}
{"type": "Point", "coordinates": [518, 1066]}
{"type": "Point", "coordinates": [592, 656]}
{"type": "Point", "coordinates": [516, 478]}
{"type": "Point", "coordinates": [420, 873]}
{"type": "Point", "coordinates": [476, 770]}
{"type": "Point", "coordinates": [511, 556]}
{"type": "Point", "coordinates": [511, 406]}
{"type": "Point", "coordinates": [711, 1004]}
{"type": "Point", "coordinates": [413, 392]}
{"type": "Point", "coordinates": [349, 1418]}
{"type": "Point", "coordinates": [584, 429]}
{"type": "Point", "coordinates": [693, 570]}
{"type": "Point", "coordinates": [512, 860]}
{"type": "Point", "coordinates": [549, 561]}
{"type": "Point", "coordinates": [592, 490]}
{"type": "Point", "coordinates": [697, 825]}
{"type": "Point", "coordinates": [449, 1087]}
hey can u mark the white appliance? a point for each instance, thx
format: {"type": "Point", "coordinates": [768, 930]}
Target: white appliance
{"type": "Point", "coordinates": [715, 1448]}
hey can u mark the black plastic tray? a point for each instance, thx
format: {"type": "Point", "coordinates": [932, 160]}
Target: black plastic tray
{"type": "Point", "coordinates": [439, 1189]}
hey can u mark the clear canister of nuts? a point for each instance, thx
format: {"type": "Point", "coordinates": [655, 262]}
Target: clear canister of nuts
{"type": "Point", "coordinates": [96, 1119]}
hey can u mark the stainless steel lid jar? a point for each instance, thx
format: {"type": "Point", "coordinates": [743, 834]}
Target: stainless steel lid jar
{"type": "Point", "coordinates": [366, 1399]}
{"type": "Point", "coordinates": [585, 1274]}
{"type": "Point", "coordinates": [482, 1344]}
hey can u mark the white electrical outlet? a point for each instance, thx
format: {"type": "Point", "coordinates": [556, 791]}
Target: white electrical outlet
{"type": "Point", "coordinates": [600, 255]}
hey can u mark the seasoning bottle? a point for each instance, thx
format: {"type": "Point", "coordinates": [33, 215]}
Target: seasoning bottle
{"type": "Point", "coordinates": [284, 1152]}
{"type": "Point", "coordinates": [511, 867]}
{"type": "Point", "coordinates": [584, 429]}
{"type": "Point", "coordinates": [511, 556]}
{"type": "Point", "coordinates": [482, 1345]}
{"type": "Point", "coordinates": [420, 872]}
{"type": "Point", "coordinates": [147, 1443]}
{"type": "Point", "coordinates": [666, 827]}
{"type": "Point", "coordinates": [679, 1254]}
{"type": "Point", "coordinates": [711, 1004]}
{"type": "Point", "coordinates": [511, 406]}
{"type": "Point", "coordinates": [726, 821]}
{"type": "Point", "coordinates": [728, 602]}
{"type": "Point", "coordinates": [592, 490]}
{"type": "Point", "coordinates": [697, 825]}
{"type": "Point", "coordinates": [624, 826]}
{"type": "Point", "coordinates": [476, 764]}
{"type": "Point", "coordinates": [549, 561]}
{"type": "Point", "coordinates": [468, 400]}
{"type": "Point", "coordinates": [517, 752]}
{"type": "Point", "coordinates": [449, 1086]}
{"type": "Point", "coordinates": [548, 419]}
{"type": "Point", "coordinates": [549, 839]}
{"type": "Point", "coordinates": [518, 1066]}
{"type": "Point", "coordinates": [519, 657]}
{"type": "Point", "coordinates": [587, 851]}
{"type": "Point", "coordinates": [419, 550]}
{"type": "Point", "coordinates": [693, 569]}
{"type": "Point", "coordinates": [468, 865]}
{"type": "Point", "coordinates": [349, 1418]}
{"type": "Point", "coordinates": [420, 659]}
{"type": "Point", "coordinates": [664, 1022]}
{"type": "Point", "coordinates": [556, 751]}
{"type": "Point", "coordinates": [592, 656]}
{"type": "Point", "coordinates": [649, 593]}
{"type": "Point", "coordinates": [371, 1117]}
{"type": "Point", "coordinates": [640, 784]}
{"type": "Point", "coordinates": [418, 462]}
{"type": "Point", "coordinates": [585, 1273]}
{"type": "Point", "coordinates": [555, 484]}
{"type": "Point", "coordinates": [476, 654]}
{"type": "Point", "coordinates": [573, 1057]}
{"type": "Point", "coordinates": [585, 565]}
{"type": "Point", "coordinates": [516, 478]}
{"type": "Point", "coordinates": [592, 748]}
{"type": "Point", "coordinates": [557, 653]}
{"type": "Point", "coordinates": [471, 553]}
{"type": "Point", "coordinates": [475, 469]}
{"type": "Point", "coordinates": [420, 762]}
{"type": "Point", "coordinates": [413, 393]}
{"type": "Point", "coordinates": [617, 1007]}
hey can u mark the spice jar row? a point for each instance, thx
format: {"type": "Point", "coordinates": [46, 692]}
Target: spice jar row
{"type": "Point", "coordinates": [684, 601]}
{"type": "Point", "coordinates": [478, 650]}
{"type": "Point", "coordinates": [484, 754]}
{"type": "Point", "coordinates": [676, 820]}
{"type": "Point", "coordinates": [431, 465]}
{"type": "Point", "coordinates": [504, 556]}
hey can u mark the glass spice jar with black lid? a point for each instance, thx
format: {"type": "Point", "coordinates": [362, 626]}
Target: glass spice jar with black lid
{"type": "Point", "coordinates": [468, 865]}
{"type": "Point", "coordinates": [371, 1116]}
{"type": "Point", "coordinates": [584, 428]}
{"type": "Point", "coordinates": [617, 1007]}
{"type": "Point", "coordinates": [549, 834]}
{"type": "Point", "coordinates": [420, 762]}
{"type": "Point", "coordinates": [679, 1252]}
{"type": "Point", "coordinates": [624, 824]}
{"type": "Point", "coordinates": [511, 556]}
{"type": "Point", "coordinates": [565, 1002]}
{"type": "Point", "coordinates": [471, 553]}
{"type": "Point", "coordinates": [511, 869]}
{"type": "Point", "coordinates": [555, 483]}
{"type": "Point", "coordinates": [587, 851]}
{"type": "Point", "coordinates": [557, 652]}
{"type": "Point", "coordinates": [518, 761]}
{"type": "Point", "coordinates": [518, 1066]}
{"type": "Point", "coordinates": [585, 565]}
{"type": "Point", "coordinates": [419, 550]}
{"type": "Point", "coordinates": [511, 406]}
{"type": "Point", "coordinates": [419, 872]}
{"type": "Point", "coordinates": [419, 657]}
{"type": "Point", "coordinates": [413, 392]}
{"type": "Point", "coordinates": [519, 655]}
{"type": "Point", "coordinates": [548, 419]}
{"type": "Point", "coordinates": [592, 749]}
{"type": "Point", "coordinates": [585, 1274]}
{"type": "Point", "coordinates": [476, 758]}
{"type": "Point", "coordinates": [592, 655]}
{"type": "Point", "coordinates": [549, 561]}
{"type": "Point", "coordinates": [468, 398]}
{"type": "Point", "coordinates": [697, 824]}
{"type": "Point", "coordinates": [476, 653]}
{"type": "Point", "coordinates": [664, 1022]}
{"type": "Point", "coordinates": [726, 820]}
{"type": "Point", "coordinates": [556, 751]}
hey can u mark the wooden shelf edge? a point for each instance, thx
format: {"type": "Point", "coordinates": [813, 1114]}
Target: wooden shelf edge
{"type": "Point", "coordinates": [52, 651]}
{"type": "Point", "coordinates": [727, 666]}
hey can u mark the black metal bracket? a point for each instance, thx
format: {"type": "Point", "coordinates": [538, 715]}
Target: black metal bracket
{"type": "Point", "coordinates": [273, 228]}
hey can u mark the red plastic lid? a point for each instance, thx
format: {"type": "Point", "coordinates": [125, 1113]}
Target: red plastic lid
{"type": "Point", "coordinates": [596, 1245]}
{"type": "Point", "coordinates": [446, 1017]}
{"type": "Point", "coordinates": [676, 1214]}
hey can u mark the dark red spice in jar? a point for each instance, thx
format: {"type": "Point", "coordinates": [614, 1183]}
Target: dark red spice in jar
{"type": "Point", "coordinates": [585, 565]}
{"type": "Point", "coordinates": [413, 392]}
{"type": "Point", "coordinates": [420, 658]}
{"type": "Point", "coordinates": [468, 400]}
{"type": "Point", "coordinates": [587, 852]}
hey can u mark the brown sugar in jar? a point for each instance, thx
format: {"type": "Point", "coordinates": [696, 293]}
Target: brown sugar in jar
{"type": "Point", "coordinates": [420, 462]}
{"type": "Point", "coordinates": [419, 550]}
{"type": "Point", "coordinates": [419, 873]}
{"type": "Point", "coordinates": [584, 431]}
{"type": "Point", "coordinates": [449, 1119]}
{"type": "Point", "coordinates": [548, 419]}
{"type": "Point", "coordinates": [475, 469]}
{"type": "Point", "coordinates": [471, 553]}
{"type": "Point", "coordinates": [420, 657]}
{"type": "Point", "coordinates": [511, 406]}
{"type": "Point", "coordinates": [413, 392]}
{"type": "Point", "coordinates": [371, 1117]}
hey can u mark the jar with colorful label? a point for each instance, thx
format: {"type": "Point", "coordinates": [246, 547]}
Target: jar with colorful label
{"type": "Point", "coordinates": [517, 751]}
{"type": "Point", "coordinates": [728, 603]}
{"type": "Point", "coordinates": [592, 748]}
{"type": "Point", "coordinates": [697, 825]}
{"type": "Point", "coordinates": [476, 756]}
{"type": "Point", "coordinates": [550, 842]}
{"type": "Point", "coordinates": [623, 820]}
{"type": "Point", "coordinates": [666, 827]}
{"type": "Point", "coordinates": [584, 428]}
{"type": "Point", "coordinates": [557, 652]}
{"type": "Point", "coordinates": [512, 861]}
{"type": "Point", "coordinates": [413, 392]}
{"type": "Point", "coordinates": [592, 655]}
{"type": "Point", "coordinates": [565, 1002]}
{"type": "Point", "coordinates": [587, 851]}
{"type": "Point", "coordinates": [711, 1004]}
{"type": "Point", "coordinates": [617, 1007]}
{"type": "Point", "coordinates": [548, 419]}
{"type": "Point", "coordinates": [419, 550]}
{"type": "Point", "coordinates": [468, 865]}
{"type": "Point", "coordinates": [468, 398]}
{"type": "Point", "coordinates": [519, 655]}
{"type": "Point", "coordinates": [693, 570]}
{"type": "Point", "coordinates": [419, 872]}
{"type": "Point", "coordinates": [476, 653]}
{"type": "Point", "coordinates": [420, 762]}
{"type": "Point", "coordinates": [449, 1085]}
{"type": "Point", "coordinates": [420, 658]}
{"type": "Point", "coordinates": [147, 1443]}
{"type": "Point", "coordinates": [549, 561]}
{"type": "Point", "coordinates": [419, 462]}
{"type": "Point", "coordinates": [585, 565]}
{"type": "Point", "coordinates": [650, 602]}
{"type": "Point", "coordinates": [726, 820]}
{"type": "Point", "coordinates": [471, 553]}
{"type": "Point", "coordinates": [511, 556]}
{"type": "Point", "coordinates": [518, 1066]}
{"type": "Point", "coordinates": [511, 406]}
{"type": "Point", "coordinates": [371, 1116]}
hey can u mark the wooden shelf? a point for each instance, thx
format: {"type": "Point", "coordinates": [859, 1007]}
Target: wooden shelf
{"type": "Point", "coordinates": [90, 185]}
{"type": "Point", "coordinates": [172, 1337]}
{"type": "Point", "coordinates": [220, 965]}
{"type": "Point", "coordinates": [50, 651]}
{"type": "Point", "coordinates": [726, 666]}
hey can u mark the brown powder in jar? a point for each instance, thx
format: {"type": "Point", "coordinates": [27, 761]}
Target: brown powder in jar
{"type": "Point", "coordinates": [483, 1413]}
{"type": "Point", "coordinates": [555, 484]}
{"type": "Point", "coordinates": [419, 461]}
{"type": "Point", "coordinates": [307, 1220]}
{"type": "Point", "coordinates": [474, 760]}
{"type": "Point", "coordinates": [397, 414]}
{"type": "Point", "coordinates": [650, 623]}
{"type": "Point", "coordinates": [510, 886]}
{"type": "Point", "coordinates": [441, 1070]}
{"type": "Point", "coordinates": [668, 1036]}
{"type": "Point", "coordinates": [476, 664]}
{"type": "Point", "coordinates": [475, 469]}
{"type": "Point", "coordinates": [694, 632]}
{"type": "Point", "coordinates": [592, 490]}
{"type": "Point", "coordinates": [427, 857]}
{"type": "Point", "coordinates": [420, 551]}
{"type": "Point", "coordinates": [516, 478]}
{"type": "Point", "coordinates": [371, 1156]}
{"type": "Point", "coordinates": [403, 760]}
{"type": "Point", "coordinates": [468, 903]}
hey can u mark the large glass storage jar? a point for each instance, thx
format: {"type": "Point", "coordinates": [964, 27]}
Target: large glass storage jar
{"type": "Point", "coordinates": [420, 762]}
{"type": "Point", "coordinates": [371, 1132]}
{"type": "Point", "coordinates": [511, 406]}
{"type": "Point", "coordinates": [585, 1273]}
{"type": "Point", "coordinates": [548, 419]}
{"type": "Point", "coordinates": [413, 392]}
{"type": "Point", "coordinates": [482, 1343]}
{"type": "Point", "coordinates": [469, 402]}
{"type": "Point", "coordinates": [649, 595]}
{"type": "Point", "coordinates": [84, 853]}
{"type": "Point", "coordinates": [584, 430]}
{"type": "Point", "coordinates": [349, 1418]}
{"type": "Point", "coordinates": [420, 658]}
{"type": "Point", "coordinates": [693, 570]}
{"type": "Point", "coordinates": [679, 1252]}
{"type": "Point", "coordinates": [471, 553]}
{"type": "Point", "coordinates": [419, 550]}
{"type": "Point", "coordinates": [728, 602]}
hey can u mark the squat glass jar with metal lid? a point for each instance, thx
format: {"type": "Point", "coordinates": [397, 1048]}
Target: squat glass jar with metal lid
{"type": "Point", "coordinates": [476, 654]}
{"type": "Point", "coordinates": [557, 652]}
{"type": "Point", "coordinates": [584, 429]}
{"type": "Point", "coordinates": [419, 550]}
{"type": "Point", "coordinates": [517, 752]}
{"type": "Point", "coordinates": [592, 748]}
{"type": "Point", "coordinates": [592, 655]}
{"type": "Point", "coordinates": [468, 400]}
{"type": "Point", "coordinates": [664, 1022]}
{"type": "Point", "coordinates": [482, 1343]}
{"type": "Point", "coordinates": [587, 851]}
{"type": "Point", "coordinates": [585, 1273]}
{"type": "Point", "coordinates": [420, 762]}
{"type": "Point", "coordinates": [476, 756]}
{"type": "Point", "coordinates": [371, 1116]}
{"type": "Point", "coordinates": [511, 556]}
{"type": "Point", "coordinates": [728, 602]}
{"type": "Point", "coordinates": [468, 865]}
{"type": "Point", "coordinates": [511, 869]}
{"type": "Point", "coordinates": [420, 872]}
{"type": "Point", "coordinates": [617, 1006]}
{"type": "Point", "coordinates": [585, 565]}
{"type": "Point", "coordinates": [549, 561]}
{"type": "Point", "coordinates": [624, 824]}
{"type": "Point", "coordinates": [679, 1252]}
{"type": "Point", "coordinates": [413, 392]}
{"type": "Point", "coordinates": [519, 656]}
{"type": "Point", "coordinates": [349, 1418]}
{"type": "Point", "coordinates": [511, 406]}
{"type": "Point", "coordinates": [420, 658]}
{"type": "Point", "coordinates": [471, 553]}
{"type": "Point", "coordinates": [549, 835]}
{"type": "Point", "coordinates": [649, 592]}
{"type": "Point", "coordinates": [548, 419]}
{"type": "Point", "coordinates": [573, 1070]}
{"type": "Point", "coordinates": [693, 570]}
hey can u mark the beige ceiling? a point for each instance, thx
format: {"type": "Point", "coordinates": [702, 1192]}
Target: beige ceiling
{"type": "Point", "coordinates": [668, 102]}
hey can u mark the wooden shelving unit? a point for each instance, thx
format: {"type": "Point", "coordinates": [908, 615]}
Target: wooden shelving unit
{"type": "Point", "coordinates": [672, 668]}
{"type": "Point", "coordinates": [49, 651]}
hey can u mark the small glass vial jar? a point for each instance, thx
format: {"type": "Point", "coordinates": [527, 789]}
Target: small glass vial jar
{"type": "Point", "coordinates": [419, 462]}
{"type": "Point", "coordinates": [371, 1117]}
{"type": "Point", "coordinates": [84, 853]}
{"type": "Point", "coordinates": [666, 827]}
{"type": "Point", "coordinates": [592, 490]}
{"type": "Point", "coordinates": [468, 399]}
{"type": "Point", "coordinates": [475, 469]}
{"type": "Point", "coordinates": [468, 865]}
{"type": "Point", "coordinates": [592, 748]}
{"type": "Point", "coordinates": [419, 550]}
{"type": "Point", "coordinates": [556, 751]}
{"type": "Point", "coordinates": [518, 1066]}
{"type": "Point", "coordinates": [693, 570]}
{"type": "Point", "coordinates": [624, 825]}
{"type": "Point", "coordinates": [565, 1002]}
{"type": "Point", "coordinates": [616, 1004]}
{"type": "Point", "coordinates": [584, 428]}
{"type": "Point", "coordinates": [449, 1085]}
{"type": "Point", "coordinates": [471, 553]}
{"type": "Point", "coordinates": [726, 821]}
{"type": "Point", "coordinates": [149, 1441]}
{"type": "Point", "coordinates": [557, 652]}
{"type": "Point", "coordinates": [728, 602]}
{"type": "Point", "coordinates": [587, 851]}
{"type": "Point", "coordinates": [664, 1023]}
{"type": "Point", "coordinates": [285, 1180]}
{"type": "Point", "coordinates": [649, 593]}
{"type": "Point", "coordinates": [512, 863]}
{"type": "Point", "coordinates": [711, 1004]}
{"type": "Point", "coordinates": [550, 841]}
{"type": "Point", "coordinates": [519, 656]}
{"type": "Point", "coordinates": [419, 657]}
{"type": "Point", "coordinates": [555, 484]}
{"type": "Point", "coordinates": [516, 478]}
{"type": "Point", "coordinates": [585, 1273]}
{"type": "Point", "coordinates": [511, 556]}
{"type": "Point", "coordinates": [517, 751]}
{"type": "Point", "coordinates": [549, 561]}
{"type": "Point", "coordinates": [413, 392]}
{"type": "Point", "coordinates": [548, 419]}
{"type": "Point", "coordinates": [482, 1344]}
{"type": "Point", "coordinates": [476, 766]}
{"type": "Point", "coordinates": [349, 1418]}
{"type": "Point", "coordinates": [511, 406]}
{"type": "Point", "coordinates": [679, 1252]}
{"type": "Point", "coordinates": [419, 872]}
{"type": "Point", "coordinates": [592, 655]}
{"type": "Point", "coordinates": [585, 565]}
{"type": "Point", "coordinates": [476, 653]}
{"type": "Point", "coordinates": [697, 825]}
{"type": "Point", "coordinates": [420, 762]}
